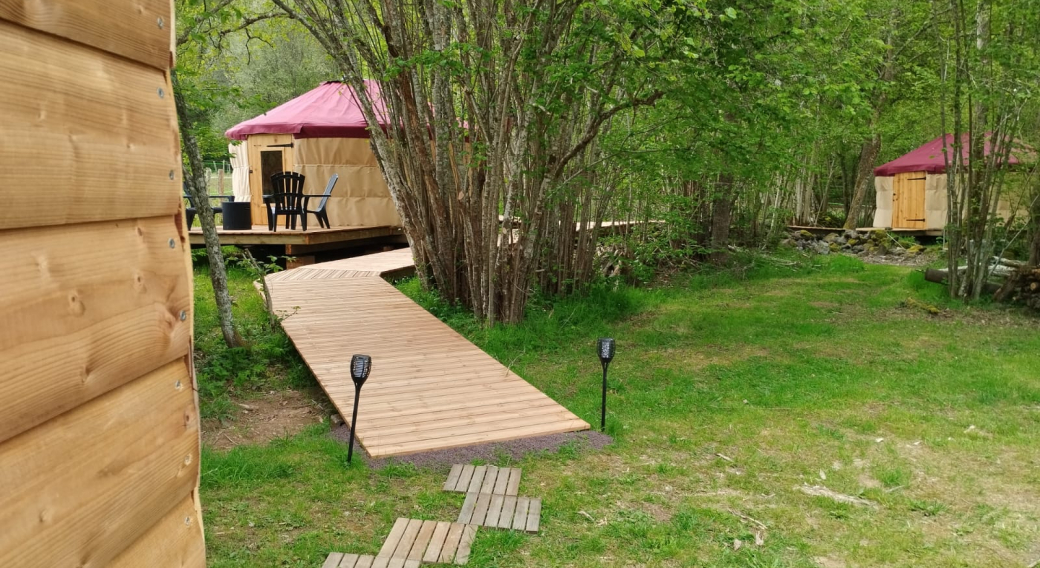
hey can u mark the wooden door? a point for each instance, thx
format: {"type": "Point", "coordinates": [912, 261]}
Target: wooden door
{"type": "Point", "coordinates": [908, 201]}
{"type": "Point", "coordinates": [267, 153]}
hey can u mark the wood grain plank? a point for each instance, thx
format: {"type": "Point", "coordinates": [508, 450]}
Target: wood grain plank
{"type": "Point", "coordinates": [394, 538]}
{"type": "Point", "coordinates": [494, 510]}
{"type": "Point", "coordinates": [520, 516]}
{"type": "Point", "coordinates": [505, 519]}
{"type": "Point", "coordinates": [480, 509]}
{"type": "Point", "coordinates": [364, 561]}
{"type": "Point", "coordinates": [176, 540]}
{"type": "Point", "coordinates": [349, 561]}
{"type": "Point", "coordinates": [503, 481]}
{"type": "Point", "coordinates": [469, 534]}
{"type": "Point", "coordinates": [407, 539]}
{"type": "Point", "coordinates": [534, 515]}
{"type": "Point", "coordinates": [451, 542]}
{"type": "Point", "coordinates": [489, 479]}
{"type": "Point", "coordinates": [453, 477]}
{"type": "Point", "coordinates": [72, 119]}
{"type": "Point", "coordinates": [513, 487]}
{"type": "Point", "coordinates": [71, 499]}
{"type": "Point", "coordinates": [89, 318]}
{"type": "Point", "coordinates": [128, 28]}
{"type": "Point", "coordinates": [381, 562]}
{"type": "Point", "coordinates": [465, 477]}
{"type": "Point", "coordinates": [422, 540]}
{"type": "Point", "coordinates": [333, 560]}
{"type": "Point", "coordinates": [433, 551]}
{"type": "Point", "coordinates": [467, 507]}
{"type": "Point", "coordinates": [395, 563]}
{"type": "Point", "coordinates": [478, 479]}
{"type": "Point", "coordinates": [460, 438]}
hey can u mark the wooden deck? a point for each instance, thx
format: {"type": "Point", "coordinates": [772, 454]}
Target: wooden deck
{"type": "Point", "coordinates": [430, 388]}
{"type": "Point", "coordinates": [298, 242]}
{"type": "Point", "coordinates": [389, 264]}
{"type": "Point", "coordinates": [907, 232]}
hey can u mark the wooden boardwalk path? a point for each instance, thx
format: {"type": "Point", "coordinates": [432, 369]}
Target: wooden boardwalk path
{"type": "Point", "coordinates": [430, 388]}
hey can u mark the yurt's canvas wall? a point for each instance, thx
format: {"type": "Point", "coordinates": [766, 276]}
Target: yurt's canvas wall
{"type": "Point", "coordinates": [935, 202]}
{"type": "Point", "coordinates": [361, 197]}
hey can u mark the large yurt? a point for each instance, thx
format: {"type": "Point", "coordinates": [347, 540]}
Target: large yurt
{"type": "Point", "coordinates": [319, 133]}
{"type": "Point", "coordinates": [911, 190]}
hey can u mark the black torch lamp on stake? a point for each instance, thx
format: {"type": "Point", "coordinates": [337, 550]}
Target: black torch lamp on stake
{"type": "Point", "coordinates": [360, 367]}
{"type": "Point", "coordinates": [606, 354]}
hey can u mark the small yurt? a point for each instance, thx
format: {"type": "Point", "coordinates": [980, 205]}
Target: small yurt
{"type": "Point", "coordinates": [911, 190]}
{"type": "Point", "coordinates": [320, 133]}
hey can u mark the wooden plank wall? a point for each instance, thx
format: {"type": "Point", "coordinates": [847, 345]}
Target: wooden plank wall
{"type": "Point", "coordinates": [99, 429]}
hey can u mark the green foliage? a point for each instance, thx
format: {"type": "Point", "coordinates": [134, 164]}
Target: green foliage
{"type": "Point", "coordinates": [269, 361]}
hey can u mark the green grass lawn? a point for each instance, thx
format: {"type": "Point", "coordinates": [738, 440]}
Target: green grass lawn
{"type": "Point", "coordinates": [729, 397]}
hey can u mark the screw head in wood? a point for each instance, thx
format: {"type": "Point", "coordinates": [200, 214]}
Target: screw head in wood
{"type": "Point", "coordinates": [173, 175]}
{"type": "Point", "coordinates": [187, 521]}
{"type": "Point", "coordinates": [173, 243]}
{"type": "Point", "coordinates": [161, 92]}
{"type": "Point", "coordinates": [177, 385]}
{"type": "Point", "coordinates": [184, 315]}
{"type": "Point", "coordinates": [160, 22]}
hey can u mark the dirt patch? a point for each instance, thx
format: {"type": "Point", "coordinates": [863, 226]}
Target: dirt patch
{"type": "Point", "coordinates": [829, 562]}
{"type": "Point", "coordinates": [277, 414]}
{"type": "Point", "coordinates": [492, 453]}
{"type": "Point", "coordinates": [824, 305]}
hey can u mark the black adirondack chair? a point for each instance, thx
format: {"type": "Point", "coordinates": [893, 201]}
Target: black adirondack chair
{"type": "Point", "coordinates": [320, 213]}
{"type": "Point", "coordinates": [287, 200]}
{"type": "Point", "coordinates": [192, 209]}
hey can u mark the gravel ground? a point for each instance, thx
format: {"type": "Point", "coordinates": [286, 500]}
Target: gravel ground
{"type": "Point", "coordinates": [492, 453]}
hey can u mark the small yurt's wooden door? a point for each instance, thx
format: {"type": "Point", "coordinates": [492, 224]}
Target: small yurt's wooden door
{"type": "Point", "coordinates": [269, 154]}
{"type": "Point", "coordinates": [908, 201]}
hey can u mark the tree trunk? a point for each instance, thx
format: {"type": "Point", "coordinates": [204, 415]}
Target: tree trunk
{"type": "Point", "coordinates": [721, 218]}
{"type": "Point", "coordinates": [867, 156]}
{"type": "Point", "coordinates": [195, 181]}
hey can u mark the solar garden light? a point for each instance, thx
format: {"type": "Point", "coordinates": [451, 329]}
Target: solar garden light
{"type": "Point", "coordinates": [606, 354]}
{"type": "Point", "coordinates": [360, 367]}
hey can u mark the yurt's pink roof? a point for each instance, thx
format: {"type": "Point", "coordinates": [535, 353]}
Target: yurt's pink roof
{"type": "Point", "coordinates": [329, 111]}
{"type": "Point", "coordinates": [929, 157]}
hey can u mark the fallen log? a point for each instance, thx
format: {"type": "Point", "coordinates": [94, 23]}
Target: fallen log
{"type": "Point", "coordinates": [939, 276]}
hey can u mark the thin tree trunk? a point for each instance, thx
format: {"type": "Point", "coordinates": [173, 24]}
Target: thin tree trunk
{"type": "Point", "coordinates": [721, 218]}
{"type": "Point", "coordinates": [195, 178]}
{"type": "Point", "coordinates": [867, 157]}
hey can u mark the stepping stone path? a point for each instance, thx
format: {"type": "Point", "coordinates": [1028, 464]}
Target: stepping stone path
{"type": "Point", "coordinates": [491, 498]}
{"type": "Point", "coordinates": [491, 501]}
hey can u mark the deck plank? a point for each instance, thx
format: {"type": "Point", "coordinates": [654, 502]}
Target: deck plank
{"type": "Point", "coordinates": [534, 516]}
{"type": "Point", "coordinates": [469, 533]}
{"type": "Point", "coordinates": [429, 389]}
{"type": "Point", "coordinates": [453, 477]}
{"type": "Point", "coordinates": [520, 516]}
{"type": "Point", "coordinates": [451, 543]}
{"type": "Point", "coordinates": [433, 551]}
{"type": "Point", "coordinates": [513, 487]}
{"type": "Point", "coordinates": [422, 540]}
{"type": "Point", "coordinates": [467, 508]}
{"type": "Point", "coordinates": [407, 539]}
{"type": "Point", "coordinates": [394, 538]}
{"type": "Point", "coordinates": [505, 519]}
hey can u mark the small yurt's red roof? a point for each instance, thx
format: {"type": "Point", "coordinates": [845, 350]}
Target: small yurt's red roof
{"type": "Point", "coordinates": [329, 111]}
{"type": "Point", "coordinates": [929, 158]}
